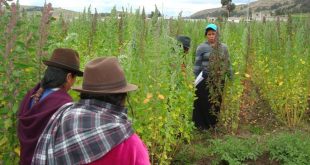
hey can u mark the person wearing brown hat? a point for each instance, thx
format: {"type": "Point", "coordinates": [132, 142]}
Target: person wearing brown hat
{"type": "Point", "coordinates": [45, 98]}
{"type": "Point", "coordinates": [95, 130]}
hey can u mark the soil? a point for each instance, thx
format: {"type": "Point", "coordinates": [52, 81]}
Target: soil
{"type": "Point", "coordinates": [255, 110]}
{"type": "Point", "coordinates": [262, 160]}
{"type": "Point", "coordinates": [208, 161]}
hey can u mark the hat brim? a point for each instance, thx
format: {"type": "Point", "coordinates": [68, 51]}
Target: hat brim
{"type": "Point", "coordinates": [210, 28]}
{"type": "Point", "coordinates": [127, 88]}
{"type": "Point", "coordinates": [63, 66]}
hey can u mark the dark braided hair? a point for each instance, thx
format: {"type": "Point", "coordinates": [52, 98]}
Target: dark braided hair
{"type": "Point", "coordinates": [53, 78]}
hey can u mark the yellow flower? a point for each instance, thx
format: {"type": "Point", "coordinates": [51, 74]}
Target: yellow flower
{"type": "Point", "coordinates": [17, 151]}
{"type": "Point", "coordinates": [146, 100]}
{"type": "Point", "coordinates": [149, 95]}
{"type": "Point", "coordinates": [236, 73]}
{"type": "Point", "coordinates": [280, 83]}
{"type": "Point", "coordinates": [302, 61]}
{"type": "Point", "coordinates": [27, 69]}
{"type": "Point", "coordinates": [247, 75]}
{"type": "Point", "coordinates": [160, 96]}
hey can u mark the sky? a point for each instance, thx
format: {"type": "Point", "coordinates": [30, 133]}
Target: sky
{"type": "Point", "coordinates": [167, 7]}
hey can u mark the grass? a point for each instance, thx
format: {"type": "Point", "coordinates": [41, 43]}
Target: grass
{"type": "Point", "coordinates": [281, 146]}
{"type": "Point", "coordinates": [195, 151]}
{"type": "Point", "coordinates": [301, 15]}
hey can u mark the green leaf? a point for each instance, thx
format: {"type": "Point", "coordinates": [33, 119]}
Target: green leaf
{"type": "Point", "coordinates": [1, 68]}
{"type": "Point", "coordinates": [21, 65]}
{"type": "Point", "coordinates": [15, 108]}
{"type": "Point", "coordinates": [8, 123]}
{"type": "Point", "coordinates": [3, 140]}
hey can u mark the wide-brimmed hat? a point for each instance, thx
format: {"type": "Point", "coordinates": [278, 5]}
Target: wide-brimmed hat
{"type": "Point", "coordinates": [66, 59]}
{"type": "Point", "coordinates": [104, 75]}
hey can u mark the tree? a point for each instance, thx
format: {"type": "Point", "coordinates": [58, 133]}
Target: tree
{"type": "Point", "coordinates": [225, 2]}
{"type": "Point", "coordinates": [4, 3]}
{"type": "Point", "coordinates": [228, 5]}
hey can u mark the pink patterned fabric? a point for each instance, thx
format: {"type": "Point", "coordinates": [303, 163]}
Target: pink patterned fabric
{"type": "Point", "coordinates": [130, 152]}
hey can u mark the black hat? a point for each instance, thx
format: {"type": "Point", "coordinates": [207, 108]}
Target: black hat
{"type": "Point", "coordinates": [185, 40]}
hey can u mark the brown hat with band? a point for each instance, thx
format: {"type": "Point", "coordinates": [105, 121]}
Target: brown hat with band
{"type": "Point", "coordinates": [66, 59]}
{"type": "Point", "coordinates": [104, 75]}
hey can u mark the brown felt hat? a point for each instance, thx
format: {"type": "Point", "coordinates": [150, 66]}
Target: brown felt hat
{"type": "Point", "coordinates": [66, 59]}
{"type": "Point", "coordinates": [104, 75]}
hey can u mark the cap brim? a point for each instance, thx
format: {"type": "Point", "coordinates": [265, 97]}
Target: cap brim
{"type": "Point", "coordinates": [127, 88]}
{"type": "Point", "coordinates": [59, 65]}
{"type": "Point", "coordinates": [210, 28]}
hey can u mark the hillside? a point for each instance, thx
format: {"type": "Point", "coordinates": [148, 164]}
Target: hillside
{"type": "Point", "coordinates": [275, 7]}
{"type": "Point", "coordinates": [67, 14]}
{"type": "Point", "coordinates": [56, 11]}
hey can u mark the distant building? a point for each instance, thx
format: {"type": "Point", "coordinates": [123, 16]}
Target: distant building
{"type": "Point", "coordinates": [260, 16]}
{"type": "Point", "coordinates": [211, 19]}
{"type": "Point", "coordinates": [234, 19]}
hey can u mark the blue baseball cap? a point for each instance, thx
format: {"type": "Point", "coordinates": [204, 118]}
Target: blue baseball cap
{"type": "Point", "coordinates": [211, 26]}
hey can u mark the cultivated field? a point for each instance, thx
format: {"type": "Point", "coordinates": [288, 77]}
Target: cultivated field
{"type": "Point", "coordinates": [265, 109]}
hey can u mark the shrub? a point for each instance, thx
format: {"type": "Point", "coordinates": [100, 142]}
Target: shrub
{"type": "Point", "coordinates": [235, 150]}
{"type": "Point", "coordinates": [290, 148]}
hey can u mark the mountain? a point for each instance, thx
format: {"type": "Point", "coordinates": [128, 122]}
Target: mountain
{"type": "Point", "coordinates": [274, 7]}
{"type": "Point", "coordinates": [56, 11]}
{"type": "Point", "coordinates": [67, 14]}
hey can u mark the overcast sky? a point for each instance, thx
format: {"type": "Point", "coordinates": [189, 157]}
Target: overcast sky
{"type": "Point", "coordinates": [167, 7]}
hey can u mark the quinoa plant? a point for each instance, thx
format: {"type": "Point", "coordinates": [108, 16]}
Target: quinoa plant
{"type": "Point", "coordinates": [43, 35]}
{"type": "Point", "coordinates": [238, 46]}
{"type": "Point", "coordinates": [15, 46]}
{"type": "Point", "coordinates": [217, 71]}
{"type": "Point", "coordinates": [280, 70]}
